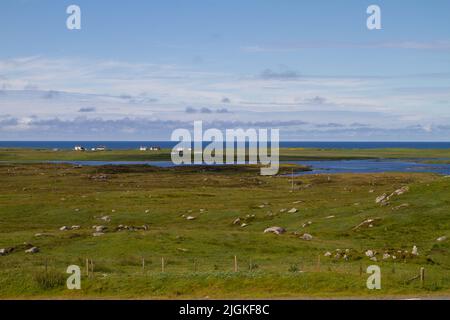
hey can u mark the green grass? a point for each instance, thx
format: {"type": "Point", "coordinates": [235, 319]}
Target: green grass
{"type": "Point", "coordinates": [23, 154]}
{"type": "Point", "coordinates": [199, 254]}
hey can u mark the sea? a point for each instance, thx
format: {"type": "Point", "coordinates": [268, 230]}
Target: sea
{"type": "Point", "coordinates": [170, 144]}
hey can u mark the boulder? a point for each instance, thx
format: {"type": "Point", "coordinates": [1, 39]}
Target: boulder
{"type": "Point", "coordinates": [32, 250]}
{"type": "Point", "coordinates": [370, 253]}
{"type": "Point", "coordinates": [64, 228]}
{"type": "Point", "coordinates": [307, 237]}
{"type": "Point", "coordinates": [237, 221]}
{"type": "Point", "coordinates": [293, 210]}
{"type": "Point", "coordinates": [190, 218]}
{"type": "Point", "coordinates": [443, 238]}
{"type": "Point", "coordinates": [276, 230]}
{"type": "Point", "coordinates": [327, 254]}
{"type": "Point", "coordinates": [99, 228]}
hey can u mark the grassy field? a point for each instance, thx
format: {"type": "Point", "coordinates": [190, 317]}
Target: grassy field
{"type": "Point", "coordinates": [36, 200]}
{"type": "Point", "coordinates": [18, 154]}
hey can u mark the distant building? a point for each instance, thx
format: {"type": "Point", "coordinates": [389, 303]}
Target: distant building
{"type": "Point", "coordinates": [99, 148]}
{"type": "Point", "coordinates": [141, 148]}
{"type": "Point", "coordinates": [79, 148]}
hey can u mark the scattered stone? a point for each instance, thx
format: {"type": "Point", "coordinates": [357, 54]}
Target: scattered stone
{"type": "Point", "coordinates": [299, 201]}
{"type": "Point", "coordinates": [307, 237]}
{"type": "Point", "coordinates": [105, 218]}
{"type": "Point", "coordinates": [75, 227]}
{"type": "Point", "coordinates": [306, 224]}
{"type": "Point", "coordinates": [147, 211]}
{"type": "Point", "coordinates": [237, 221]}
{"type": "Point", "coordinates": [383, 199]}
{"type": "Point", "coordinates": [386, 256]}
{"type": "Point", "coordinates": [415, 251]}
{"type": "Point", "coordinates": [443, 238]}
{"type": "Point", "coordinates": [293, 210]}
{"type": "Point", "coordinates": [64, 228]}
{"type": "Point", "coordinates": [32, 250]}
{"type": "Point", "coordinates": [371, 191]}
{"type": "Point", "coordinates": [373, 259]}
{"type": "Point", "coordinates": [370, 253]}
{"type": "Point", "coordinates": [327, 254]}
{"type": "Point", "coordinates": [99, 228]}
{"type": "Point", "coordinates": [98, 234]}
{"type": "Point", "coordinates": [276, 230]}
{"type": "Point", "coordinates": [400, 191]}
{"type": "Point", "coordinates": [244, 225]}
{"type": "Point", "coordinates": [190, 218]}
{"type": "Point", "coordinates": [329, 217]}
{"type": "Point", "coordinates": [283, 210]}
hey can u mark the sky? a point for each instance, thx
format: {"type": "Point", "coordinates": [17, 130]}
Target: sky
{"type": "Point", "coordinates": [137, 70]}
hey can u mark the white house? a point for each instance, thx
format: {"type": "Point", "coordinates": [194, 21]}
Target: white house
{"type": "Point", "coordinates": [79, 148]}
{"type": "Point", "coordinates": [141, 148]}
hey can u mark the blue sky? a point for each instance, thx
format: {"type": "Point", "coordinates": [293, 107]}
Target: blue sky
{"type": "Point", "coordinates": [139, 69]}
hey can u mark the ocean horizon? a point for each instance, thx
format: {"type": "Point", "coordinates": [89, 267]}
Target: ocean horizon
{"type": "Point", "coordinates": [283, 144]}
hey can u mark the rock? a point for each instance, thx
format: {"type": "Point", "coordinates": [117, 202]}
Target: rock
{"type": "Point", "coordinates": [190, 218]}
{"type": "Point", "coordinates": [32, 250]}
{"type": "Point", "coordinates": [386, 256]}
{"type": "Point", "coordinates": [329, 217]}
{"type": "Point", "coordinates": [443, 238]}
{"type": "Point", "coordinates": [75, 227]}
{"type": "Point", "coordinates": [244, 225]}
{"type": "Point", "coordinates": [400, 191]}
{"type": "Point", "coordinates": [307, 237]}
{"type": "Point", "coordinates": [237, 221]}
{"type": "Point", "coordinates": [283, 210]}
{"type": "Point", "coordinates": [327, 254]}
{"type": "Point", "coordinates": [415, 251]}
{"type": "Point", "coordinates": [3, 252]}
{"type": "Point", "coordinates": [105, 218]}
{"type": "Point", "coordinates": [293, 210]}
{"type": "Point", "coordinates": [261, 206]}
{"type": "Point", "coordinates": [306, 224]}
{"type": "Point", "coordinates": [64, 228]}
{"type": "Point", "coordinates": [383, 199]}
{"type": "Point", "coordinates": [370, 253]}
{"type": "Point", "coordinates": [97, 234]}
{"type": "Point", "coordinates": [99, 228]}
{"type": "Point", "coordinates": [373, 259]}
{"type": "Point", "coordinates": [147, 211]}
{"type": "Point", "coordinates": [371, 191]}
{"type": "Point", "coordinates": [276, 230]}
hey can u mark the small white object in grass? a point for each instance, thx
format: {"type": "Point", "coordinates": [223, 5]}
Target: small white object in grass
{"type": "Point", "coordinates": [293, 210]}
{"type": "Point", "coordinates": [276, 230]}
{"type": "Point", "coordinates": [327, 254]}
{"type": "Point", "coordinates": [32, 250]}
{"type": "Point", "coordinates": [329, 217]}
{"type": "Point", "coordinates": [415, 251]}
{"type": "Point", "coordinates": [370, 253]}
{"type": "Point", "coordinates": [443, 238]}
{"type": "Point", "coordinates": [307, 237]}
{"type": "Point", "coordinates": [190, 218]}
{"type": "Point", "coordinates": [97, 234]}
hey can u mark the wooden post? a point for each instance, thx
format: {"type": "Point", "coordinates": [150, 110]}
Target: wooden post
{"type": "Point", "coordinates": [162, 264]}
{"type": "Point", "coordinates": [235, 264]}
{"type": "Point", "coordinates": [422, 276]}
{"type": "Point", "coordinates": [87, 267]}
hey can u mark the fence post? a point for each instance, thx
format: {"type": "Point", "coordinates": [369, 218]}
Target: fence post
{"type": "Point", "coordinates": [162, 264]}
{"type": "Point", "coordinates": [235, 264]}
